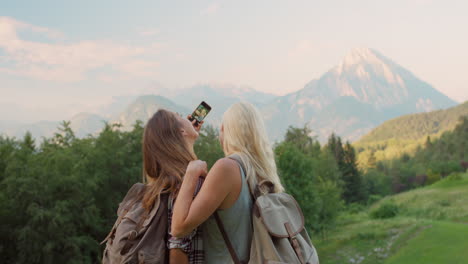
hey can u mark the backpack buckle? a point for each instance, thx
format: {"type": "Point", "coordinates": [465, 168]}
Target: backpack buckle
{"type": "Point", "coordinates": [133, 235]}
{"type": "Point", "coordinates": [294, 243]}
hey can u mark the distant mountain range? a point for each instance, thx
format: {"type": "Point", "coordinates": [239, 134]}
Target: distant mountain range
{"type": "Point", "coordinates": [362, 91]}
{"type": "Point", "coordinates": [219, 97]}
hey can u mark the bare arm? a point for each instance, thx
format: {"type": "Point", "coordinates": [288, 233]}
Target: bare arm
{"type": "Point", "coordinates": [219, 184]}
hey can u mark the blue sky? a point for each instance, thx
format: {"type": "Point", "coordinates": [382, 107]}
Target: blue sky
{"type": "Point", "coordinates": [58, 58]}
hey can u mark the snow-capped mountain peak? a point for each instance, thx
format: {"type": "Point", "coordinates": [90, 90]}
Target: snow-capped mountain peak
{"type": "Point", "coordinates": [359, 55]}
{"type": "Point", "coordinates": [365, 88]}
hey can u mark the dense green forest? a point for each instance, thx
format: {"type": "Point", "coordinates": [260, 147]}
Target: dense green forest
{"type": "Point", "coordinates": [432, 161]}
{"type": "Point", "coordinates": [58, 197]}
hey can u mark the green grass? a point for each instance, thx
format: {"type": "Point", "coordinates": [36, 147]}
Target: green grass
{"type": "Point", "coordinates": [444, 200]}
{"type": "Point", "coordinates": [439, 242]}
{"type": "Point", "coordinates": [431, 228]}
{"type": "Point", "coordinates": [365, 241]}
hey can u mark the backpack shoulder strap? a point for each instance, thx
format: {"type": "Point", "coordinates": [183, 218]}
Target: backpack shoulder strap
{"type": "Point", "coordinates": [220, 224]}
{"type": "Point", "coordinates": [236, 157]}
{"type": "Point", "coordinates": [227, 241]}
{"type": "Point", "coordinates": [239, 161]}
{"type": "Point", "coordinates": [262, 187]}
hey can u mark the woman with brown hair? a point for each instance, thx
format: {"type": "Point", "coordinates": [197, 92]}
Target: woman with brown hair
{"type": "Point", "coordinates": [168, 141]}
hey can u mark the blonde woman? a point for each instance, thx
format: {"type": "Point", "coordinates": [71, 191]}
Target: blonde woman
{"type": "Point", "coordinates": [226, 187]}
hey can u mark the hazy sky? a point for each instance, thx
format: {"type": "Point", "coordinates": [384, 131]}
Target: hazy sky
{"type": "Point", "coordinates": [61, 57]}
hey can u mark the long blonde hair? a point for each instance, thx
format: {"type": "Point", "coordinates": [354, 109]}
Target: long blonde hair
{"type": "Point", "coordinates": [245, 135]}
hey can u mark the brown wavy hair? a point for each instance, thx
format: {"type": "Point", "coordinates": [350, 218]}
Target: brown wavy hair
{"type": "Point", "coordinates": [165, 156]}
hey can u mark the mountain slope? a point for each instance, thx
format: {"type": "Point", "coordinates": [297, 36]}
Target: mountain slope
{"type": "Point", "coordinates": [37, 129]}
{"type": "Point", "coordinates": [219, 97]}
{"type": "Point", "coordinates": [193, 95]}
{"type": "Point", "coordinates": [384, 88]}
{"type": "Point", "coordinates": [143, 108]}
{"type": "Point", "coordinates": [416, 126]}
{"type": "Point", "coordinates": [370, 77]}
{"type": "Point", "coordinates": [344, 117]}
{"type": "Point", "coordinates": [86, 123]}
{"type": "Point", "coordinates": [82, 124]}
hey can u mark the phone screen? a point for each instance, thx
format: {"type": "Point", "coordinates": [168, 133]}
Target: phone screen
{"type": "Point", "coordinates": [201, 111]}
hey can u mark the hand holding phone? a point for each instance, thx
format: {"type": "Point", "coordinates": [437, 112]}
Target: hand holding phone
{"type": "Point", "coordinates": [200, 113]}
{"type": "Point", "coordinates": [196, 125]}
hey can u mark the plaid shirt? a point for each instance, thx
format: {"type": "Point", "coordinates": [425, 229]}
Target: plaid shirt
{"type": "Point", "coordinates": [192, 244]}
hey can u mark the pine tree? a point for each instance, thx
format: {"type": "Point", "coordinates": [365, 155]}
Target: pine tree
{"type": "Point", "coordinates": [372, 160]}
{"type": "Point", "coordinates": [353, 189]}
{"type": "Point", "coordinates": [300, 137]}
{"type": "Point", "coordinates": [28, 142]}
{"type": "Point", "coordinates": [336, 148]}
{"type": "Point", "coordinates": [428, 143]}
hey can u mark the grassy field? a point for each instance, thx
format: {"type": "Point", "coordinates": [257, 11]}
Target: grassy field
{"type": "Point", "coordinates": [431, 227]}
{"type": "Point", "coordinates": [438, 242]}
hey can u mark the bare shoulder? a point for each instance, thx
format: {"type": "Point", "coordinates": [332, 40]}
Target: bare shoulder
{"type": "Point", "coordinates": [225, 164]}
{"type": "Point", "coordinates": [224, 167]}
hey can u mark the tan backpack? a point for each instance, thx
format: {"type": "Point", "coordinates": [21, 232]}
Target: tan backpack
{"type": "Point", "coordinates": [138, 236]}
{"type": "Point", "coordinates": [279, 235]}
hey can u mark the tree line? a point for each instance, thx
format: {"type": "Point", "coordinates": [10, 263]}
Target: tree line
{"type": "Point", "coordinates": [58, 197]}
{"type": "Point", "coordinates": [432, 160]}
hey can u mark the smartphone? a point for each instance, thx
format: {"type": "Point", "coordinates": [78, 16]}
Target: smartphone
{"type": "Point", "coordinates": [200, 112]}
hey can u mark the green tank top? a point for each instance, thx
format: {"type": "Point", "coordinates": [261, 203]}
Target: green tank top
{"type": "Point", "coordinates": [237, 221]}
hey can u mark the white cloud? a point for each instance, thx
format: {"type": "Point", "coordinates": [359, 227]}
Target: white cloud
{"type": "Point", "coordinates": [211, 9]}
{"type": "Point", "coordinates": [68, 62]}
{"type": "Point", "coordinates": [10, 25]}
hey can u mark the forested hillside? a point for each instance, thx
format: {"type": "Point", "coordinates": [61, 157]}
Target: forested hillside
{"type": "Point", "coordinates": [431, 161]}
{"type": "Point", "coordinates": [405, 135]}
{"type": "Point", "coordinates": [417, 126]}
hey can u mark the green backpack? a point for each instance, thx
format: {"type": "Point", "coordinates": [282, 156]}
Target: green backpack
{"type": "Point", "coordinates": [279, 235]}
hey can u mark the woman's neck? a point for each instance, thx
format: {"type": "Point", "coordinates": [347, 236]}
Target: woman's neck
{"type": "Point", "coordinates": [191, 149]}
